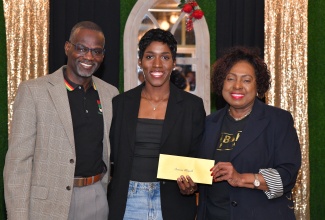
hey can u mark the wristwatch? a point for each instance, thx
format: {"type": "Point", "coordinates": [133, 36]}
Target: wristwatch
{"type": "Point", "coordinates": [256, 182]}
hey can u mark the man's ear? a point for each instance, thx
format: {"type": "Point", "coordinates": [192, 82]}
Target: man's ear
{"type": "Point", "coordinates": [67, 46]}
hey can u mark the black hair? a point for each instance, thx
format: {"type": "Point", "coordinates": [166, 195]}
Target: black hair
{"type": "Point", "coordinates": [85, 25]}
{"type": "Point", "coordinates": [178, 79]}
{"type": "Point", "coordinates": [222, 66]}
{"type": "Point", "coordinates": [158, 35]}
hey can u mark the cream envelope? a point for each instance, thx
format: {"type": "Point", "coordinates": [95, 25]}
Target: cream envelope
{"type": "Point", "coordinates": [171, 167]}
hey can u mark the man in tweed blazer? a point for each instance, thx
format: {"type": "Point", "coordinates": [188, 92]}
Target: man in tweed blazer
{"type": "Point", "coordinates": [59, 147]}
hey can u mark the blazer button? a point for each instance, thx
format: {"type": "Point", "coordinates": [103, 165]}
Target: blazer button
{"type": "Point", "coordinates": [163, 182]}
{"type": "Point", "coordinates": [234, 203]}
{"type": "Point", "coordinates": [68, 188]}
{"type": "Point", "coordinates": [71, 161]}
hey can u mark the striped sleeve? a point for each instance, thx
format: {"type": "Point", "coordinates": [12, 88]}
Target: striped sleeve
{"type": "Point", "coordinates": [273, 181]}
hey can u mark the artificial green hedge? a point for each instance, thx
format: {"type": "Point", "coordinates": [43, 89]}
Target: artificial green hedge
{"type": "Point", "coordinates": [3, 108]}
{"type": "Point", "coordinates": [316, 106]}
{"type": "Point", "coordinates": [125, 9]}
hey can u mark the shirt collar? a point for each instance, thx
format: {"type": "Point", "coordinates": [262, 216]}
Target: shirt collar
{"type": "Point", "coordinates": [71, 85]}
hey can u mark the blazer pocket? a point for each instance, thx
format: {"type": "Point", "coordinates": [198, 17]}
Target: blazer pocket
{"type": "Point", "coordinates": [39, 192]}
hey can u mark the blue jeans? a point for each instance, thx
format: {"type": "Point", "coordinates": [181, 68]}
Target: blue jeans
{"type": "Point", "coordinates": [143, 201]}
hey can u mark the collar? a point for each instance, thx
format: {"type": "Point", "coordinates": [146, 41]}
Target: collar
{"type": "Point", "coordinates": [71, 85]}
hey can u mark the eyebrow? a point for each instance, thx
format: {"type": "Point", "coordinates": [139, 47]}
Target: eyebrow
{"type": "Point", "coordinates": [245, 74]}
{"type": "Point", "coordinates": [158, 53]}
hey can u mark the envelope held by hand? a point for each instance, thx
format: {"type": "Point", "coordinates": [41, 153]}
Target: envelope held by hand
{"type": "Point", "coordinates": [171, 167]}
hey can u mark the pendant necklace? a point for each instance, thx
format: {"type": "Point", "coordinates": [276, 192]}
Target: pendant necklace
{"type": "Point", "coordinates": [154, 107]}
{"type": "Point", "coordinates": [240, 118]}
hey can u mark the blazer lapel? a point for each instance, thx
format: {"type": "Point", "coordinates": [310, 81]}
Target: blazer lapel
{"type": "Point", "coordinates": [132, 105]}
{"type": "Point", "coordinates": [255, 125]}
{"type": "Point", "coordinates": [212, 129]}
{"type": "Point", "coordinates": [174, 109]}
{"type": "Point", "coordinates": [107, 113]}
{"type": "Point", "coordinates": [58, 93]}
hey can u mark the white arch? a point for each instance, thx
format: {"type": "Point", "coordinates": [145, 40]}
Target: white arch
{"type": "Point", "coordinates": [201, 58]}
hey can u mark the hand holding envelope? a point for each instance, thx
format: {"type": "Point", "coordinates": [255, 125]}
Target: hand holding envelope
{"type": "Point", "coordinates": [172, 167]}
{"type": "Point", "coordinates": [186, 185]}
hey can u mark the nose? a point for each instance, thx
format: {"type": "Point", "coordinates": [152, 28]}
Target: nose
{"type": "Point", "coordinates": [89, 55]}
{"type": "Point", "coordinates": [157, 62]}
{"type": "Point", "coordinates": [238, 84]}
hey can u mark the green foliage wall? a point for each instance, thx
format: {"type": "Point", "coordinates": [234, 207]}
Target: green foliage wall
{"type": "Point", "coordinates": [316, 106]}
{"type": "Point", "coordinates": [126, 7]}
{"type": "Point", "coordinates": [3, 107]}
{"type": "Point", "coordinates": [210, 7]}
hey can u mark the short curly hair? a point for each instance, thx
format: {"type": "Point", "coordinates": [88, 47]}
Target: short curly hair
{"type": "Point", "coordinates": [158, 35]}
{"type": "Point", "coordinates": [222, 66]}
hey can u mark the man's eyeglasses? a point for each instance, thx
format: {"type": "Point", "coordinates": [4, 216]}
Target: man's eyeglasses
{"type": "Point", "coordinates": [83, 50]}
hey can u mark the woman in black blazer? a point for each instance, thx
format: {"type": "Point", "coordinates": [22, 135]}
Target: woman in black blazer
{"type": "Point", "coordinates": [255, 146]}
{"type": "Point", "coordinates": [153, 118]}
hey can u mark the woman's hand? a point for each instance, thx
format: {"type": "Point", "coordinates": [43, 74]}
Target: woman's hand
{"type": "Point", "coordinates": [186, 185]}
{"type": "Point", "coordinates": [225, 171]}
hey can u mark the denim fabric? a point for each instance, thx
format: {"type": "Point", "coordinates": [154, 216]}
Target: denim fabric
{"type": "Point", "coordinates": [143, 201]}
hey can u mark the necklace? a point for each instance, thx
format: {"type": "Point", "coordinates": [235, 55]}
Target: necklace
{"type": "Point", "coordinates": [240, 118]}
{"type": "Point", "coordinates": [154, 107]}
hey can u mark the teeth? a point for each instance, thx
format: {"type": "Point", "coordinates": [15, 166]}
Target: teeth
{"type": "Point", "coordinates": [86, 65]}
{"type": "Point", "coordinates": [157, 74]}
{"type": "Point", "coordinates": [237, 95]}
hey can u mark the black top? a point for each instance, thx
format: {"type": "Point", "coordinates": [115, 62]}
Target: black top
{"type": "Point", "coordinates": [88, 128]}
{"type": "Point", "coordinates": [218, 200]}
{"type": "Point", "coordinates": [146, 151]}
{"type": "Point", "coordinates": [268, 140]}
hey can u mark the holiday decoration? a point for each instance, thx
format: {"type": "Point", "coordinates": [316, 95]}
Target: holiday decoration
{"type": "Point", "coordinates": [193, 11]}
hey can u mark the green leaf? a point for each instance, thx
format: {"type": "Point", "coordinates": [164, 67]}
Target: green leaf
{"type": "Point", "coordinates": [181, 5]}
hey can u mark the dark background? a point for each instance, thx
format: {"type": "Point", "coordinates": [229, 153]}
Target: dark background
{"type": "Point", "coordinates": [106, 13]}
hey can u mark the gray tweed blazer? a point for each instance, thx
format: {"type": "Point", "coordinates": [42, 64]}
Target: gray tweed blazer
{"type": "Point", "coordinates": [40, 162]}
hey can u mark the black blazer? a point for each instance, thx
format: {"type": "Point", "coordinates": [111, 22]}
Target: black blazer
{"type": "Point", "coordinates": [182, 134]}
{"type": "Point", "coordinates": [269, 140]}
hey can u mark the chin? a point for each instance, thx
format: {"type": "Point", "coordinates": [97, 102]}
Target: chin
{"type": "Point", "coordinates": [86, 75]}
{"type": "Point", "coordinates": [158, 84]}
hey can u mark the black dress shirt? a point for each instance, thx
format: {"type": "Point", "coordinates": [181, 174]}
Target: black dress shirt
{"type": "Point", "coordinates": [88, 128]}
